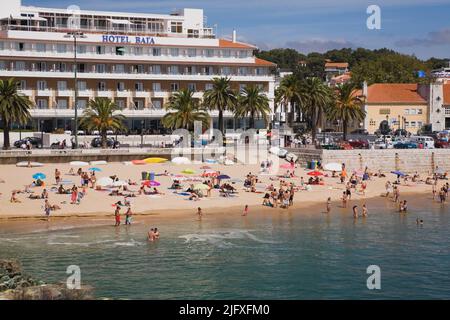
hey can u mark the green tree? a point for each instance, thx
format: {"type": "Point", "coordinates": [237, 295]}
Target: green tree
{"type": "Point", "coordinates": [14, 108]}
{"type": "Point", "coordinates": [315, 97]}
{"type": "Point", "coordinates": [347, 106]}
{"type": "Point", "coordinates": [186, 110]}
{"type": "Point", "coordinates": [101, 114]}
{"type": "Point", "coordinates": [253, 102]}
{"type": "Point", "coordinates": [221, 98]}
{"type": "Point", "coordinates": [288, 93]}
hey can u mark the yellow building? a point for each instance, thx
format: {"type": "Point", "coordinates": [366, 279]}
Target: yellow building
{"type": "Point", "coordinates": [402, 106]}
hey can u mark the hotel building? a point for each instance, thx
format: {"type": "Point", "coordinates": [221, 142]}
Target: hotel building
{"type": "Point", "coordinates": [137, 60]}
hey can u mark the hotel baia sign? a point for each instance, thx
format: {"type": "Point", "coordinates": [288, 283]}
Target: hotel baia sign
{"type": "Point", "coordinates": [127, 39]}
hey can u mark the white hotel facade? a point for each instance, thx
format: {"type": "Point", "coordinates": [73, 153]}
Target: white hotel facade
{"type": "Point", "coordinates": [137, 60]}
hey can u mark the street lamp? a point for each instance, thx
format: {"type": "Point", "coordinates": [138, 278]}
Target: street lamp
{"type": "Point", "coordinates": [75, 35]}
{"type": "Point", "coordinates": [42, 133]}
{"type": "Point", "coordinates": [142, 133]}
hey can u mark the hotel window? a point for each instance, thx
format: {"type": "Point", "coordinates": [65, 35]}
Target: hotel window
{"type": "Point", "coordinates": [61, 48]}
{"type": "Point", "coordinates": [260, 86]}
{"type": "Point", "coordinates": [174, 86]}
{"type": "Point", "coordinates": [372, 123]}
{"type": "Point", "coordinates": [189, 70]}
{"type": "Point", "coordinates": [139, 86]}
{"type": "Point", "coordinates": [42, 85]}
{"type": "Point", "coordinates": [260, 71]}
{"type": "Point", "coordinates": [2, 65]}
{"type": "Point", "coordinates": [61, 85]}
{"type": "Point", "coordinates": [119, 68]}
{"type": "Point", "coordinates": [176, 27]}
{"type": "Point", "coordinates": [419, 111]}
{"type": "Point", "coordinates": [138, 104]}
{"type": "Point", "coordinates": [174, 52]}
{"type": "Point", "coordinates": [173, 70]}
{"type": "Point", "coordinates": [19, 66]}
{"type": "Point", "coordinates": [100, 68]}
{"type": "Point", "coordinates": [22, 85]}
{"type": "Point", "coordinates": [156, 87]}
{"type": "Point", "coordinates": [385, 111]}
{"type": "Point", "coordinates": [413, 123]}
{"type": "Point", "coordinates": [209, 86]}
{"type": "Point", "coordinates": [156, 69]}
{"type": "Point", "coordinates": [226, 53]}
{"type": "Point", "coordinates": [61, 67]}
{"type": "Point", "coordinates": [81, 48]}
{"type": "Point", "coordinates": [208, 70]}
{"type": "Point", "coordinates": [447, 111]}
{"type": "Point", "coordinates": [101, 86]}
{"type": "Point", "coordinates": [419, 124]}
{"type": "Point", "coordinates": [81, 67]}
{"type": "Point", "coordinates": [191, 52]}
{"type": "Point", "coordinates": [137, 68]}
{"type": "Point", "coordinates": [138, 51]}
{"type": "Point", "coordinates": [81, 85]}
{"type": "Point", "coordinates": [192, 33]}
{"type": "Point", "coordinates": [243, 54]}
{"type": "Point", "coordinates": [120, 86]}
{"type": "Point", "coordinates": [242, 87]}
{"type": "Point", "coordinates": [242, 71]}
{"type": "Point", "coordinates": [61, 104]}
{"type": "Point", "coordinates": [192, 87]}
{"type": "Point", "coordinates": [20, 46]}
{"type": "Point", "coordinates": [42, 104]}
{"type": "Point", "coordinates": [82, 104]}
{"type": "Point", "coordinates": [209, 53]}
{"type": "Point", "coordinates": [157, 104]}
{"type": "Point", "coordinates": [120, 51]}
{"type": "Point", "coordinates": [120, 104]}
{"type": "Point", "coordinates": [41, 66]}
{"type": "Point", "coordinates": [156, 52]}
{"type": "Point", "coordinates": [226, 71]}
{"type": "Point", "coordinates": [100, 49]}
{"type": "Point", "coordinates": [40, 47]}
{"type": "Point", "coordinates": [2, 45]}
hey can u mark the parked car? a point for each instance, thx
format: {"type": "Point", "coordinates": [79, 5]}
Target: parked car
{"type": "Point", "coordinates": [360, 131]}
{"type": "Point", "coordinates": [110, 142]}
{"type": "Point", "coordinates": [35, 142]}
{"type": "Point", "coordinates": [331, 147]}
{"type": "Point", "coordinates": [441, 144]}
{"type": "Point", "coordinates": [383, 144]}
{"type": "Point", "coordinates": [426, 142]}
{"type": "Point", "coordinates": [359, 144]}
{"type": "Point", "coordinates": [405, 145]}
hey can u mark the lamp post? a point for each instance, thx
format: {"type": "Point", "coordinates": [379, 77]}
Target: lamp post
{"type": "Point", "coordinates": [41, 122]}
{"type": "Point", "coordinates": [142, 133]}
{"type": "Point", "coordinates": [75, 35]}
{"type": "Point", "coordinates": [399, 122]}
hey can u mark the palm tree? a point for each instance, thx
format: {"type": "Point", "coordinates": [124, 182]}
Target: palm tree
{"type": "Point", "coordinates": [314, 97]}
{"type": "Point", "coordinates": [347, 106]}
{"type": "Point", "coordinates": [101, 114]}
{"type": "Point", "coordinates": [253, 102]}
{"type": "Point", "coordinates": [288, 93]}
{"type": "Point", "coordinates": [14, 107]}
{"type": "Point", "coordinates": [186, 110]}
{"type": "Point", "coordinates": [221, 98]}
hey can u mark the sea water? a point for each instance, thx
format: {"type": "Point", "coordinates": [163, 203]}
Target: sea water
{"type": "Point", "coordinates": [303, 254]}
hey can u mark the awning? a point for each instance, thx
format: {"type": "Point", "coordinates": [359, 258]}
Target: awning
{"type": "Point", "coordinates": [26, 18]}
{"type": "Point", "coordinates": [117, 21]}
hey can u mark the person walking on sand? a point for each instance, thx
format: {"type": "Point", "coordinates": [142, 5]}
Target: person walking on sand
{"type": "Point", "coordinates": [57, 176]}
{"type": "Point", "coordinates": [128, 215]}
{"type": "Point", "coordinates": [245, 212]}
{"type": "Point", "coordinates": [117, 216]}
{"type": "Point", "coordinates": [47, 209]}
{"type": "Point", "coordinates": [355, 212]}
{"type": "Point", "coordinates": [329, 205]}
{"type": "Point", "coordinates": [396, 193]}
{"type": "Point", "coordinates": [74, 195]}
{"type": "Point", "coordinates": [199, 213]}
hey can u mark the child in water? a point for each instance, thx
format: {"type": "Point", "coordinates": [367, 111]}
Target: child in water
{"type": "Point", "coordinates": [245, 210]}
{"type": "Point", "coordinates": [329, 205]}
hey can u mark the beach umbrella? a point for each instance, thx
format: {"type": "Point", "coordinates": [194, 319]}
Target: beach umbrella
{"type": "Point", "coordinates": [105, 182]}
{"type": "Point", "coordinates": [209, 173]}
{"type": "Point", "coordinates": [95, 169]}
{"type": "Point", "coordinates": [333, 166]}
{"type": "Point", "coordinates": [398, 173]}
{"type": "Point", "coordinates": [39, 175]}
{"type": "Point", "coordinates": [315, 173]}
{"type": "Point", "coordinates": [119, 183]}
{"type": "Point", "coordinates": [155, 160]}
{"type": "Point", "coordinates": [223, 177]}
{"type": "Point", "coordinates": [188, 171]}
{"type": "Point", "coordinates": [181, 160]}
{"type": "Point", "coordinates": [138, 162]}
{"type": "Point", "coordinates": [210, 161]}
{"type": "Point", "coordinates": [201, 186]}
{"type": "Point", "coordinates": [149, 183]}
{"type": "Point", "coordinates": [79, 163]}
{"type": "Point", "coordinates": [98, 163]}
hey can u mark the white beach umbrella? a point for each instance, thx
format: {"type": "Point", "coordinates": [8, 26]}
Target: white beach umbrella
{"type": "Point", "coordinates": [181, 160]}
{"type": "Point", "coordinates": [333, 166]}
{"type": "Point", "coordinates": [79, 163]}
{"type": "Point", "coordinates": [105, 182]}
{"type": "Point", "coordinates": [119, 183]}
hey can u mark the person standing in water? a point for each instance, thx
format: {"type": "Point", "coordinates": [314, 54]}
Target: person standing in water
{"type": "Point", "coordinates": [117, 216]}
{"type": "Point", "coordinates": [329, 205]}
{"type": "Point", "coordinates": [199, 213]}
{"type": "Point", "coordinates": [156, 234]}
{"type": "Point", "coordinates": [344, 199]}
{"type": "Point", "coordinates": [151, 235]}
{"type": "Point", "coordinates": [245, 210]}
{"type": "Point", "coordinates": [364, 210]}
{"type": "Point", "coordinates": [355, 212]}
{"type": "Point", "coordinates": [128, 215]}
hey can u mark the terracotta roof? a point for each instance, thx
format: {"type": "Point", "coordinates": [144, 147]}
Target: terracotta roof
{"type": "Point", "coordinates": [446, 89]}
{"type": "Point", "coordinates": [394, 93]}
{"type": "Point", "coordinates": [261, 62]}
{"type": "Point", "coordinates": [336, 65]}
{"type": "Point", "coordinates": [230, 44]}
{"type": "Point", "coordinates": [342, 78]}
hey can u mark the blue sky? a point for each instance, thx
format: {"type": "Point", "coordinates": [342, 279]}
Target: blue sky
{"type": "Point", "coordinates": [420, 27]}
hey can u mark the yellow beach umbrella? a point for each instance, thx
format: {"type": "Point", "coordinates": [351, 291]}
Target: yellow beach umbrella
{"type": "Point", "coordinates": [188, 171]}
{"type": "Point", "coordinates": [155, 160]}
{"type": "Point", "coordinates": [201, 186]}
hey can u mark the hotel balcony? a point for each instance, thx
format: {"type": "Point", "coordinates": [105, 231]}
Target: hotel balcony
{"type": "Point", "coordinates": [141, 94]}
{"type": "Point", "coordinates": [44, 93]}
{"type": "Point", "coordinates": [105, 94]}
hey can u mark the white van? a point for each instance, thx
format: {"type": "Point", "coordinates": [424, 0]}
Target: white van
{"type": "Point", "coordinates": [428, 142]}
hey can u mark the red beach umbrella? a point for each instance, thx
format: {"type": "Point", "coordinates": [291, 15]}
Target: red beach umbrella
{"type": "Point", "coordinates": [315, 173]}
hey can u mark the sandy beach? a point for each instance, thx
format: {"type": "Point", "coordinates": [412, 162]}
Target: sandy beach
{"type": "Point", "coordinates": [100, 203]}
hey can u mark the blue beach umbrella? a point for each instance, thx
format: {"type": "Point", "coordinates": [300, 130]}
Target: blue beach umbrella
{"type": "Point", "coordinates": [399, 173]}
{"type": "Point", "coordinates": [95, 169]}
{"type": "Point", "coordinates": [223, 177]}
{"type": "Point", "coordinates": [39, 175]}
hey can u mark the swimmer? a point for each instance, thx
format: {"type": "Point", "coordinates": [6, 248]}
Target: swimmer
{"type": "Point", "coordinates": [199, 213]}
{"type": "Point", "coordinates": [355, 212]}
{"type": "Point", "coordinates": [151, 235]}
{"type": "Point", "coordinates": [245, 210]}
{"type": "Point", "coordinates": [329, 205]}
{"type": "Point", "coordinates": [419, 221]}
{"type": "Point", "coordinates": [156, 234]}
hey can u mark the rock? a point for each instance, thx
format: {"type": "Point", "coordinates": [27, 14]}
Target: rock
{"type": "Point", "coordinates": [10, 267]}
{"type": "Point", "coordinates": [4, 278]}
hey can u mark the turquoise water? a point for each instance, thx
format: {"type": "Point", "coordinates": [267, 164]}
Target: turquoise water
{"type": "Point", "coordinates": [262, 256]}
